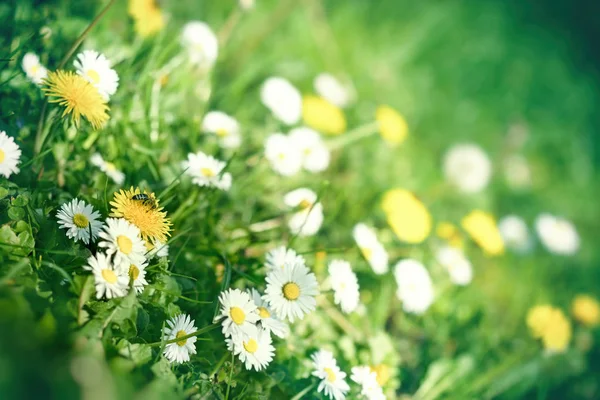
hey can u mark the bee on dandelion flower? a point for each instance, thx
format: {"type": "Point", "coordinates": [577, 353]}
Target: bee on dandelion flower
{"type": "Point", "coordinates": [415, 289]}
{"type": "Point", "coordinates": [207, 171]}
{"type": "Point", "coordinates": [10, 155]}
{"type": "Point", "coordinates": [308, 218]}
{"type": "Point", "coordinates": [314, 152]}
{"type": "Point", "coordinates": [345, 285]}
{"type": "Point", "coordinates": [331, 89]}
{"type": "Point", "coordinates": [179, 327]}
{"type": "Point", "coordinates": [254, 349]}
{"type": "Point", "coordinates": [332, 380]}
{"type": "Point", "coordinates": [34, 70]}
{"type": "Point", "coordinates": [280, 256]}
{"type": "Point", "coordinates": [283, 99]}
{"type": "Point", "coordinates": [111, 281]}
{"type": "Point", "coordinates": [108, 168]}
{"type": "Point", "coordinates": [558, 235]}
{"type": "Point", "coordinates": [224, 127]}
{"type": "Point", "coordinates": [96, 69]}
{"type": "Point", "coordinates": [467, 167]}
{"type": "Point", "coordinates": [284, 157]}
{"type": "Point", "coordinates": [268, 320]}
{"type": "Point", "coordinates": [238, 311]}
{"type": "Point", "coordinates": [371, 248]}
{"type": "Point", "coordinates": [80, 220]}
{"type": "Point", "coordinates": [200, 43]}
{"type": "Point", "coordinates": [122, 240]}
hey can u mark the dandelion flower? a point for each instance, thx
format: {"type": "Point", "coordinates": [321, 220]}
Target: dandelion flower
{"type": "Point", "coordinates": [224, 127]}
{"type": "Point", "coordinates": [255, 349]}
{"type": "Point", "coordinates": [415, 289]}
{"type": "Point", "coordinates": [367, 379]}
{"type": "Point", "coordinates": [392, 125]}
{"type": "Point", "coordinates": [330, 88]}
{"type": "Point", "coordinates": [467, 167]}
{"type": "Point", "coordinates": [323, 116]}
{"type": "Point", "coordinates": [515, 233]}
{"type": "Point", "coordinates": [315, 154]}
{"type": "Point", "coordinates": [201, 43]}
{"type": "Point", "coordinates": [34, 70]}
{"type": "Point", "coordinates": [77, 96]}
{"type": "Point", "coordinates": [558, 235]}
{"type": "Point", "coordinates": [586, 310]}
{"type": "Point", "coordinates": [407, 216]}
{"type": "Point", "coordinates": [96, 69]}
{"type": "Point", "coordinates": [458, 266]}
{"type": "Point", "coordinates": [308, 219]}
{"type": "Point", "coordinates": [279, 257]}
{"type": "Point", "coordinates": [108, 168]}
{"type": "Point", "coordinates": [371, 248]}
{"type": "Point", "coordinates": [207, 171]}
{"type": "Point", "coordinates": [284, 157]}
{"type": "Point", "coordinates": [111, 281]}
{"type": "Point", "coordinates": [80, 220]}
{"type": "Point", "coordinates": [450, 232]}
{"type": "Point", "coordinates": [332, 379]}
{"type": "Point", "coordinates": [147, 17]}
{"type": "Point", "coordinates": [10, 155]}
{"type": "Point", "coordinates": [238, 311]}
{"type": "Point", "coordinates": [137, 274]}
{"type": "Point", "coordinates": [146, 215]}
{"type": "Point", "coordinates": [178, 327]}
{"type": "Point", "coordinates": [551, 326]}
{"type": "Point", "coordinates": [345, 285]}
{"type": "Point", "coordinates": [481, 226]}
{"type": "Point", "coordinates": [122, 239]}
{"type": "Point", "coordinates": [291, 291]}
{"type": "Point", "coordinates": [283, 99]}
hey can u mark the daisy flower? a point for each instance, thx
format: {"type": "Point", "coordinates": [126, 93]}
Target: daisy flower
{"type": "Point", "coordinates": [291, 291]}
{"type": "Point", "coordinates": [177, 327]}
{"type": "Point", "coordinates": [283, 99]}
{"type": "Point", "coordinates": [458, 266]}
{"type": "Point", "coordinates": [279, 257]}
{"type": "Point", "coordinates": [323, 116]}
{"type": "Point", "coordinates": [95, 68]}
{"type": "Point", "coordinates": [415, 289]}
{"type": "Point", "coordinates": [224, 127]}
{"type": "Point", "coordinates": [10, 155]}
{"type": "Point", "coordinates": [315, 154]}
{"type": "Point", "coordinates": [345, 285]}
{"type": "Point", "coordinates": [284, 157]}
{"type": "Point", "coordinates": [147, 17]}
{"type": "Point", "coordinates": [367, 379]}
{"type": "Point", "coordinates": [333, 383]}
{"type": "Point", "coordinates": [247, 5]}
{"type": "Point", "coordinates": [206, 170]}
{"type": "Point", "coordinates": [79, 219]}
{"type": "Point", "coordinates": [268, 320]}
{"type": "Point", "coordinates": [122, 239]}
{"type": "Point", "coordinates": [515, 233]}
{"type": "Point", "coordinates": [35, 71]}
{"type": "Point", "coordinates": [392, 125]}
{"type": "Point", "coordinates": [108, 168]}
{"type": "Point", "coordinates": [137, 274]}
{"type": "Point", "coordinates": [77, 96]}
{"type": "Point", "coordinates": [308, 219]}
{"type": "Point", "coordinates": [255, 349]}
{"type": "Point", "coordinates": [371, 248]}
{"type": "Point", "coordinates": [238, 311]}
{"type": "Point", "coordinates": [467, 167]}
{"type": "Point", "coordinates": [558, 235]}
{"type": "Point", "coordinates": [201, 43]}
{"type": "Point", "coordinates": [111, 281]}
{"type": "Point", "coordinates": [331, 89]}
{"type": "Point", "coordinates": [146, 215]}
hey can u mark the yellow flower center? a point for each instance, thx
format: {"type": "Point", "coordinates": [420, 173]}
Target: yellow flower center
{"type": "Point", "coordinates": [221, 132]}
{"type": "Point", "coordinates": [263, 312]}
{"type": "Point", "coordinates": [251, 346]}
{"type": "Point", "coordinates": [94, 76]}
{"type": "Point", "coordinates": [207, 172]}
{"type": "Point", "coordinates": [304, 204]}
{"type": "Point", "coordinates": [281, 156]}
{"type": "Point", "coordinates": [110, 167]}
{"type": "Point", "coordinates": [383, 373]}
{"type": "Point", "coordinates": [109, 276]}
{"type": "Point", "coordinates": [178, 335]}
{"type": "Point", "coordinates": [125, 244]}
{"type": "Point", "coordinates": [80, 221]}
{"type": "Point", "coordinates": [291, 291]}
{"type": "Point", "coordinates": [134, 272]}
{"type": "Point", "coordinates": [237, 315]}
{"type": "Point", "coordinates": [330, 374]}
{"type": "Point", "coordinates": [366, 252]}
{"type": "Point", "coordinates": [2, 156]}
{"type": "Point", "coordinates": [35, 69]}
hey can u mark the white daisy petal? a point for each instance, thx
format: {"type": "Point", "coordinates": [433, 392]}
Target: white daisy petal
{"type": "Point", "coordinates": [283, 99]}
{"type": "Point", "coordinates": [96, 69]}
{"type": "Point", "coordinates": [345, 285]}
{"type": "Point", "coordinates": [371, 248]}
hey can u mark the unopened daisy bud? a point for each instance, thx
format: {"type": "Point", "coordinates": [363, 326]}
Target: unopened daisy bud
{"type": "Point", "coordinates": [178, 327]}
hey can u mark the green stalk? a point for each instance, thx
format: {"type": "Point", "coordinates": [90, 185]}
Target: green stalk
{"type": "Point", "coordinates": [196, 333]}
{"type": "Point", "coordinates": [354, 135]}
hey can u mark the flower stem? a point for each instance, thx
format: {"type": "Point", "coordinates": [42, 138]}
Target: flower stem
{"type": "Point", "coordinates": [196, 333]}
{"type": "Point", "coordinates": [303, 392]}
{"type": "Point", "coordinates": [354, 135]}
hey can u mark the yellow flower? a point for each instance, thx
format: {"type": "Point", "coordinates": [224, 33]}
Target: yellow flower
{"type": "Point", "coordinates": [484, 231]}
{"type": "Point", "coordinates": [78, 96]}
{"type": "Point", "coordinates": [551, 325]}
{"type": "Point", "coordinates": [586, 310]}
{"type": "Point", "coordinates": [451, 233]}
{"type": "Point", "coordinates": [323, 116]}
{"type": "Point", "coordinates": [147, 17]}
{"type": "Point", "coordinates": [383, 372]}
{"type": "Point", "coordinates": [407, 216]}
{"type": "Point", "coordinates": [392, 125]}
{"type": "Point", "coordinates": [145, 214]}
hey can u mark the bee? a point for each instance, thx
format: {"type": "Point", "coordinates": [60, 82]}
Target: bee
{"type": "Point", "coordinates": [145, 199]}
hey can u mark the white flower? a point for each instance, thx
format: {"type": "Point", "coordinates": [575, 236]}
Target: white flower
{"type": "Point", "coordinates": [201, 44]}
{"type": "Point", "coordinates": [345, 285]}
{"type": "Point", "coordinates": [79, 219]}
{"type": "Point", "coordinates": [247, 5]}
{"type": "Point", "coordinates": [111, 281]}
{"type": "Point", "coordinates": [224, 127]}
{"type": "Point", "coordinates": [95, 68]}
{"type": "Point", "coordinates": [180, 326]}
{"type": "Point", "coordinates": [254, 349]}
{"type": "Point", "coordinates": [35, 71]}
{"type": "Point", "coordinates": [458, 266]}
{"type": "Point", "coordinates": [308, 219]}
{"type": "Point", "coordinates": [371, 248]}
{"type": "Point", "coordinates": [517, 172]}
{"type": "Point", "coordinates": [10, 154]}
{"type": "Point", "coordinates": [238, 311]}
{"type": "Point", "coordinates": [291, 291]}
{"type": "Point", "coordinates": [206, 170]}
{"type": "Point", "coordinates": [315, 155]}
{"type": "Point", "coordinates": [137, 273]}
{"type": "Point", "coordinates": [415, 289]}
{"type": "Point", "coordinates": [280, 256]}
{"type": "Point", "coordinates": [558, 235]}
{"type": "Point", "coordinates": [515, 233]}
{"type": "Point", "coordinates": [122, 239]}
{"type": "Point", "coordinates": [467, 167]}
{"type": "Point", "coordinates": [108, 168]}
{"type": "Point", "coordinates": [333, 382]}
{"type": "Point", "coordinates": [268, 321]}
{"type": "Point", "coordinates": [367, 379]}
{"type": "Point", "coordinates": [283, 99]}
{"type": "Point", "coordinates": [328, 87]}
{"type": "Point", "coordinates": [284, 157]}
{"type": "Point", "coordinates": [159, 250]}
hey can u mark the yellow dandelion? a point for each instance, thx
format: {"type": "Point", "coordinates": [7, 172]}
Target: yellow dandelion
{"type": "Point", "coordinates": [550, 325]}
{"type": "Point", "coordinates": [147, 16]}
{"type": "Point", "coordinates": [450, 232]}
{"type": "Point", "coordinates": [323, 116]}
{"type": "Point", "coordinates": [78, 96]}
{"type": "Point", "coordinates": [586, 310]}
{"type": "Point", "coordinates": [483, 229]}
{"type": "Point", "coordinates": [143, 212]}
{"type": "Point", "coordinates": [407, 215]}
{"type": "Point", "coordinates": [392, 125]}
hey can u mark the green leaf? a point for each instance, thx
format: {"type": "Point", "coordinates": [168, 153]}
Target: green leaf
{"type": "Point", "coordinates": [16, 213]}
